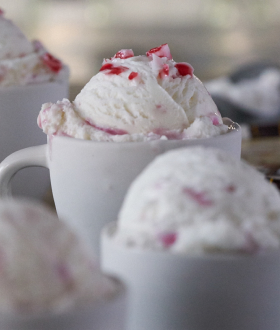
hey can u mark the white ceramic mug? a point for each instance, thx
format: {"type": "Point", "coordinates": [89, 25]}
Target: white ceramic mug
{"type": "Point", "coordinates": [89, 179]}
{"type": "Point", "coordinates": [19, 109]}
{"type": "Point", "coordinates": [107, 314]}
{"type": "Point", "coordinates": [211, 292]}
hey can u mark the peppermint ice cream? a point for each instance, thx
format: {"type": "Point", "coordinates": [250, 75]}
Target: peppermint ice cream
{"type": "Point", "coordinates": [45, 267]}
{"type": "Point", "coordinates": [200, 200]}
{"type": "Point", "coordinates": [137, 98]}
{"type": "Point", "coordinates": [23, 62]}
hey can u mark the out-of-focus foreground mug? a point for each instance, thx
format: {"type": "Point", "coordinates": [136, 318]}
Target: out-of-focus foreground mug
{"type": "Point", "coordinates": [19, 109]}
{"type": "Point", "coordinates": [89, 179]}
{"type": "Point", "coordinates": [170, 291]}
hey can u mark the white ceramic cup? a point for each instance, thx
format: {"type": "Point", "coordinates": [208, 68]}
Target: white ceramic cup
{"type": "Point", "coordinates": [107, 314]}
{"type": "Point", "coordinates": [19, 109]}
{"type": "Point", "coordinates": [89, 179]}
{"type": "Point", "coordinates": [211, 292]}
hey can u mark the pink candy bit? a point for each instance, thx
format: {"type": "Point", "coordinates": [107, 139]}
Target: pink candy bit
{"type": "Point", "coordinates": [171, 135]}
{"type": "Point", "coordinates": [112, 131]}
{"type": "Point", "coordinates": [161, 109]}
{"type": "Point", "coordinates": [53, 63]}
{"type": "Point", "coordinates": [133, 75]}
{"type": "Point", "coordinates": [111, 69]}
{"type": "Point", "coordinates": [230, 188]}
{"type": "Point", "coordinates": [2, 12]}
{"type": "Point", "coordinates": [214, 118]}
{"type": "Point", "coordinates": [124, 53]}
{"type": "Point", "coordinates": [199, 197]}
{"type": "Point", "coordinates": [161, 51]}
{"type": "Point", "coordinates": [109, 130]}
{"type": "Point", "coordinates": [168, 239]}
{"type": "Point", "coordinates": [215, 121]}
{"type": "Point", "coordinates": [184, 69]}
{"type": "Point", "coordinates": [61, 133]}
{"type": "Point", "coordinates": [63, 272]}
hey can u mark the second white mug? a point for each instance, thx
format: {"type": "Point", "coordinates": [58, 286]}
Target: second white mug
{"type": "Point", "coordinates": [221, 291]}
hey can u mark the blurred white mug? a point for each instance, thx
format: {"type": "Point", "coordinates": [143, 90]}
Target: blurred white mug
{"type": "Point", "coordinates": [89, 179]}
{"type": "Point", "coordinates": [170, 291]}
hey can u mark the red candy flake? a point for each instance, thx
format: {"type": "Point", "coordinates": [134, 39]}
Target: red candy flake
{"type": "Point", "coordinates": [199, 197]}
{"type": "Point", "coordinates": [168, 239]}
{"type": "Point", "coordinates": [124, 53]}
{"type": "Point", "coordinates": [52, 63]}
{"type": "Point", "coordinates": [2, 11]}
{"type": "Point", "coordinates": [106, 66]}
{"type": "Point", "coordinates": [113, 69]}
{"type": "Point", "coordinates": [132, 75]}
{"type": "Point", "coordinates": [184, 69]}
{"type": "Point", "coordinates": [161, 51]}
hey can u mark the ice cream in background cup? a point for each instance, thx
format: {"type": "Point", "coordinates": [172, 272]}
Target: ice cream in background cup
{"type": "Point", "coordinates": [134, 109]}
{"type": "Point", "coordinates": [50, 278]}
{"type": "Point", "coordinates": [197, 242]}
{"type": "Point", "coordinates": [29, 76]}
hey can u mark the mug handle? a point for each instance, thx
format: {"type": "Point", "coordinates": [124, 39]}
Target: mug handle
{"type": "Point", "coordinates": [28, 157]}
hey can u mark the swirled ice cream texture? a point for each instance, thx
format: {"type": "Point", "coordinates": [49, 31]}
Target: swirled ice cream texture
{"type": "Point", "coordinates": [137, 98]}
{"type": "Point", "coordinates": [23, 62]}
{"type": "Point", "coordinates": [44, 266]}
{"type": "Point", "coordinates": [200, 200]}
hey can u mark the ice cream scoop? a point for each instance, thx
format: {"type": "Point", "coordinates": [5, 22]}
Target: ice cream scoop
{"type": "Point", "coordinates": [137, 98]}
{"type": "Point", "coordinates": [200, 200]}
{"type": "Point", "coordinates": [23, 62]}
{"type": "Point", "coordinates": [44, 266]}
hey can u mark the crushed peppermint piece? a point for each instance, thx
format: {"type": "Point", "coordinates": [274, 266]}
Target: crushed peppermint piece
{"type": "Point", "coordinates": [52, 63]}
{"type": "Point", "coordinates": [124, 53]}
{"type": "Point", "coordinates": [184, 69]}
{"type": "Point", "coordinates": [161, 51]}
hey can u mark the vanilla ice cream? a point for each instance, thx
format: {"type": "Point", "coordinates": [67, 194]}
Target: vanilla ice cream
{"type": "Point", "coordinates": [23, 62]}
{"type": "Point", "coordinates": [200, 200]}
{"type": "Point", "coordinates": [45, 267]}
{"type": "Point", "coordinates": [137, 98]}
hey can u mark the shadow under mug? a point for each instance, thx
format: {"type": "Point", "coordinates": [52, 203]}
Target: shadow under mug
{"type": "Point", "coordinates": [170, 291]}
{"type": "Point", "coordinates": [89, 179]}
